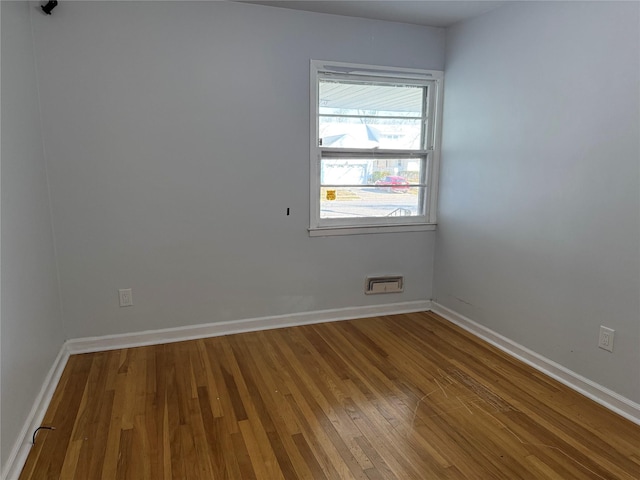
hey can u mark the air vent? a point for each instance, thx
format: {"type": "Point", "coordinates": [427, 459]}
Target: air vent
{"type": "Point", "coordinates": [388, 284]}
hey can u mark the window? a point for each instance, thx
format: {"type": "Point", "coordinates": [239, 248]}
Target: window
{"type": "Point", "coordinates": [374, 148]}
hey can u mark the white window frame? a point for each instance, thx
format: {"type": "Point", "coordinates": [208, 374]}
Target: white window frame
{"type": "Point", "coordinates": [433, 79]}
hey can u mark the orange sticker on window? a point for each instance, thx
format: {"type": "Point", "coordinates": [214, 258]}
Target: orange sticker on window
{"type": "Point", "coordinates": [331, 194]}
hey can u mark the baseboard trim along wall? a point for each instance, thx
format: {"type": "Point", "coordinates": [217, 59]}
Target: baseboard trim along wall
{"type": "Point", "coordinates": [179, 334]}
{"type": "Point", "coordinates": [599, 394]}
{"type": "Point", "coordinates": [592, 390]}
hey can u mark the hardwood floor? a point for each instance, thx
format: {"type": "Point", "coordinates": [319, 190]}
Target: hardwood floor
{"type": "Point", "coordinates": [395, 397]}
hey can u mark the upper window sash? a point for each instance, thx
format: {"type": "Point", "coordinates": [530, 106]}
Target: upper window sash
{"type": "Point", "coordinates": [402, 77]}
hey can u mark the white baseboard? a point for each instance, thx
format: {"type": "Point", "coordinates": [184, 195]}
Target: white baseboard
{"type": "Point", "coordinates": [18, 455]}
{"type": "Point", "coordinates": [599, 394]}
{"type": "Point", "coordinates": [179, 334]}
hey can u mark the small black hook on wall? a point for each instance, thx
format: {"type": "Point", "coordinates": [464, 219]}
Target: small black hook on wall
{"type": "Point", "coordinates": [51, 4]}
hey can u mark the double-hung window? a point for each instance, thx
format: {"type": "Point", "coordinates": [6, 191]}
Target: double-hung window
{"type": "Point", "coordinates": [374, 148]}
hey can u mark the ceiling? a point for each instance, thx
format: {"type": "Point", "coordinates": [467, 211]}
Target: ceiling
{"type": "Point", "coordinates": [440, 13]}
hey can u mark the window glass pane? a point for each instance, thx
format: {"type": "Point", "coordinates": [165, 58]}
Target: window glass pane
{"type": "Point", "coordinates": [363, 202]}
{"type": "Point", "coordinates": [371, 187]}
{"type": "Point", "coordinates": [355, 98]}
{"type": "Point", "coordinates": [366, 115]}
{"type": "Point", "coordinates": [380, 172]}
{"type": "Point", "coordinates": [364, 132]}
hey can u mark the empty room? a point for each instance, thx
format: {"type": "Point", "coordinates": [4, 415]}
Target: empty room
{"type": "Point", "coordinates": [320, 240]}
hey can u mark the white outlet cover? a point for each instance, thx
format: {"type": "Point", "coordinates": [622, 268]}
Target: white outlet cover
{"type": "Point", "coordinates": [605, 341]}
{"type": "Point", "coordinates": [126, 297]}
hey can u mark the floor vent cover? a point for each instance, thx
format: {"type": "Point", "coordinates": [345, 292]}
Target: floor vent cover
{"type": "Point", "coordinates": [387, 284]}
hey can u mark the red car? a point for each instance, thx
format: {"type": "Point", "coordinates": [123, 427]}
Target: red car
{"type": "Point", "coordinates": [393, 183]}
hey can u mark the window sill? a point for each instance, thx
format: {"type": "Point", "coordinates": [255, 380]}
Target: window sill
{"type": "Point", "coordinates": [353, 230]}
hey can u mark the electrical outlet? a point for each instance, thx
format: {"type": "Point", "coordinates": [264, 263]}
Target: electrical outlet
{"type": "Point", "coordinates": [605, 340]}
{"type": "Point", "coordinates": [126, 297]}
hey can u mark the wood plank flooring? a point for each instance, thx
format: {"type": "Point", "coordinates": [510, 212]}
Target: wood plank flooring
{"type": "Point", "coordinates": [396, 397]}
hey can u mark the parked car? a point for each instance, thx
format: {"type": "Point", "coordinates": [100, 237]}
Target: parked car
{"type": "Point", "coordinates": [393, 183]}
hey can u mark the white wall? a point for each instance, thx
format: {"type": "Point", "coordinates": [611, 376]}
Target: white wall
{"type": "Point", "coordinates": [31, 329]}
{"type": "Point", "coordinates": [539, 235]}
{"type": "Point", "coordinates": [177, 137]}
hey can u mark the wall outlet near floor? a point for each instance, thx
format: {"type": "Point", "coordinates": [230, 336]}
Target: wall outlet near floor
{"type": "Point", "coordinates": [126, 297]}
{"type": "Point", "coordinates": [605, 340]}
